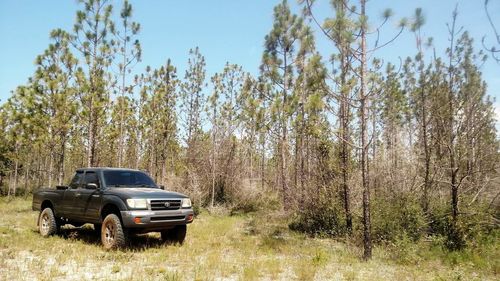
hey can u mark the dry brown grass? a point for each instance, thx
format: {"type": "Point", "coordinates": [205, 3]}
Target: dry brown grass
{"type": "Point", "coordinates": [218, 247]}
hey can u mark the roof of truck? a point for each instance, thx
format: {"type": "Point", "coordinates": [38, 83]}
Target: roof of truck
{"type": "Point", "coordinates": [105, 169]}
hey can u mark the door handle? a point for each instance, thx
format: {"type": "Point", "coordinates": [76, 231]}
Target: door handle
{"type": "Point", "coordinates": [95, 195]}
{"type": "Point", "coordinates": [77, 194]}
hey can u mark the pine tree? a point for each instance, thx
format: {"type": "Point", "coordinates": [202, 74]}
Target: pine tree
{"type": "Point", "coordinates": [26, 134]}
{"type": "Point", "coordinates": [4, 146]}
{"type": "Point", "coordinates": [54, 86]}
{"type": "Point", "coordinates": [192, 95]}
{"type": "Point", "coordinates": [129, 51]}
{"type": "Point", "coordinates": [166, 125]}
{"type": "Point", "coordinates": [394, 114]}
{"type": "Point", "coordinates": [224, 111]}
{"type": "Point", "coordinates": [253, 119]}
{"type": "Point", "coordinates": [92, 32]}
{"type": "Point", "coordinates": [363, 114]}
{"type": "Point", "coordinates": [301, 93]}
{"type": "Point", "coordinates": [158, 120]}
{"type": "Point", "coordinates": [192, 103]}
{"type": "Point", "coordinates": [278, 66]}
{"type": "Point", "coordinates": [340, 30]}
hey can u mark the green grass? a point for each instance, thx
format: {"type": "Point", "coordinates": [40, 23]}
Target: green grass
{"type": "Point", "coordinates": [221, 247]}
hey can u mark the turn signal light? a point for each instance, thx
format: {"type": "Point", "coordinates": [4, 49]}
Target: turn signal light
{"type": "Point", "coordinates": [190, 217]}
{"type": "Point", "coordinates": [137, 220]}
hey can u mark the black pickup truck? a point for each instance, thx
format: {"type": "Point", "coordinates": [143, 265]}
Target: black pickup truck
{"type": "Point", "coordinates": [118, 202]}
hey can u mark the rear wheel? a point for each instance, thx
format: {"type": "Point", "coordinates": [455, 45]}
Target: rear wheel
{"type": "Point", "coordinates": [112, 233]}
{"type": "Point", "coordinates": [47, 223]}
{"type": "Point", "coordinates": [175, 235]}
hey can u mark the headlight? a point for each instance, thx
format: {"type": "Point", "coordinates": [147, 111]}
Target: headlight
{"type": "Point", "coordinates": [186, 203]}
{"type": "Point", "coordinates": [137, 203]}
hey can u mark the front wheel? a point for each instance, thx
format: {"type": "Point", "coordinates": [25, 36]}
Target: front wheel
{"type": "Point", "coordinates": [47, 223]}
{"type": "Point", "coordinates": [112, 233]}
{"type": "Point", "coordinates": [175, 235]}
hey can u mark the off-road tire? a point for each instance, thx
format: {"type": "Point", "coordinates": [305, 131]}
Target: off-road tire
{"type": "Point", "coordinates": [175, 235]}
{"type": "Point", "coordinates": [47, 223]}
{"type": "Point", "coordinates": [113, 235]}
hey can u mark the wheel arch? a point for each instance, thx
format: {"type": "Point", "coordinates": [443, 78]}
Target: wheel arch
{"type": "Point", "coordinates": [112, 205]}
{"type": "Point", "coordinates": [46, 203]}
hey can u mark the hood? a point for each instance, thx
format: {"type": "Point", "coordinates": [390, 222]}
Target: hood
{"type": "Point", "coordinates": [142, 192]}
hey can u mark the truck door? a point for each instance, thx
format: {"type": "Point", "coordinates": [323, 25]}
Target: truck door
{"type": "Point", "coordinates": [89, 199]}
{"type": "Point", "coordinates": [68, 205]}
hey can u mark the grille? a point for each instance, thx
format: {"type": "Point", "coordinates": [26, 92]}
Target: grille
{"type": "Point", "coordinates": [167, 218]}
{"type": "Point", "coordinates": [158, 205]}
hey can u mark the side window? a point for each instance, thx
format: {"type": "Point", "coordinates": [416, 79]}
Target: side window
{"type": "Point", "coordinates": [90, 177]}
{"type": "Point", "coordinates": [77, 180]}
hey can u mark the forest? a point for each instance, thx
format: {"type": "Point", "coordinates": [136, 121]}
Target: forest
{"type": "Point", "coordinates": [343, 144]}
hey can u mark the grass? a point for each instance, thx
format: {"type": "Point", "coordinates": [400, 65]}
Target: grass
{"type": "Point", "coordinates": [221, 247]}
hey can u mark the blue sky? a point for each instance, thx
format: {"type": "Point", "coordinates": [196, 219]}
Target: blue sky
{"type": "Point", "coordinates": [225, 30]}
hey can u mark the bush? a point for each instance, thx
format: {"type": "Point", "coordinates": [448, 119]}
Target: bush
{"type": "Point", "coordinates": [404, 250]}
{"type": "Point", "coordinates": [253, 201]}
{"type": "Point", "coordinates": [473, 223]}
{"type": "Point", "coordinates": [321, 218]}
{"type": "Point", "coordinates": [393, 218]}
{"type": "Point", "coordinates": [454, 234]}
{"type": "Point", "coordinates": [196, 209]}
{"type": "Point", "coordinates": [4, 190]}
{"type": "Point", "coordinates": [455, 239]}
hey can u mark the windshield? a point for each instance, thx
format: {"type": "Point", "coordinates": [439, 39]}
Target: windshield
{"type": "Point", "coordinates": [127, 179]}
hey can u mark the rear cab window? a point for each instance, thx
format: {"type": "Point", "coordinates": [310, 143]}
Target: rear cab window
{"type": "Point", "coordinates": [77, 180]}
{"type": "Point", "coordinates": [90, 177]}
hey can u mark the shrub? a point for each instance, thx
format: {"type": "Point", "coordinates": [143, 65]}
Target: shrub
{"type": "Point", "coordinates": [396, 217]}
{"type": "Point", "coordinates": [441, 224]}
{"type": "Point", "coordinates": [197, 208]}
{"type": "Point", "coordinates": [404, 250]}
{"type": "Point", "coordinates": [475, 223]}
{"type": "Point", "coordinates": [320, 218]}
{"type": "Point", "coordinates": [253, 201]}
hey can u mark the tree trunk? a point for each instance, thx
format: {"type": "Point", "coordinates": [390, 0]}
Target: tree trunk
{"type": "Point", "coordinates": [11, 184]}
{"type": "Point", "coordinates": [427, 153]}
{"type": "Point", "coordinates": [60, 165]}
{"type": "Point", "coordinates": [213, 157]}
{"type": "Point", "coordinates": [51, 165]}
{"type": "Point", "coordinates": [367, 241]}
{"type": "Point", "coordinates": [262, 164]}
{"type": "Point", "coordinates": [451, 135]}
{"type": "Point", "coordinates": [16, 167]}
{"type": "Point", "coordinates": [26, 177]}
{"type": "Point", "coordinates": [284, 138]}
{"type": "Point", "coordinates": [301, 154]}
{"type": "Point", "coordinates": [344, 129]}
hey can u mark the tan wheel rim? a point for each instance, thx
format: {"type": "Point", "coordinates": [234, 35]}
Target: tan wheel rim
{"type": "Point", "coordinates": [44, 223]}
{"type": "Point", "coordinates": [109, 234]}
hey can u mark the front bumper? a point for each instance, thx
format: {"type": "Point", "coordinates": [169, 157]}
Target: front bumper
{"type": "Point", "coordinates": [156, 220]}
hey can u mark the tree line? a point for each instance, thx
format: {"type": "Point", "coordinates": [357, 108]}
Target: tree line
{"type": "Point", "coordinates": [343, 142]}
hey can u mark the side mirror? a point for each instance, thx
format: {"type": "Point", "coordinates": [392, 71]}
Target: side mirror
{"type": "Point", "coordinates": [91, 186]}
{"type": "Point", "coordinates": [162, 187]}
